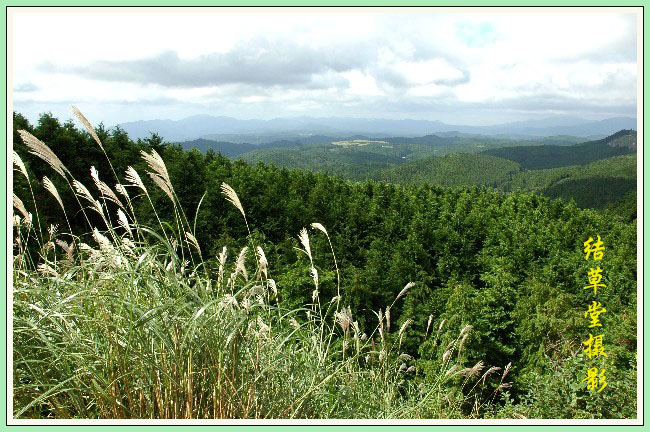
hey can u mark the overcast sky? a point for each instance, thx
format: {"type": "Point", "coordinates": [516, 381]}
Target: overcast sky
{"type": "Point", "coordinates": [462, 68]}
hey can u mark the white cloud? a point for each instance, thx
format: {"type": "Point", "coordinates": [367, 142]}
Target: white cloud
{"type": "Point", "coordinates": [332, 63]}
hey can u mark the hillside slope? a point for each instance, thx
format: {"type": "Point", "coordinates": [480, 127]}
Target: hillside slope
{"type": "Point", "coordinates": [552, 156]}
{"type": "Point", "coordinates": [459, 169]}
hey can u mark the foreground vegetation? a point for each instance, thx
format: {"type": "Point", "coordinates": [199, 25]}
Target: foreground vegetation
{"type": "Point", "coordinates": [143, 313]}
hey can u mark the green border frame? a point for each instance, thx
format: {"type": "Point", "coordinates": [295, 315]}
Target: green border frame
{"type": "Point", "coordinates": [323, 3]}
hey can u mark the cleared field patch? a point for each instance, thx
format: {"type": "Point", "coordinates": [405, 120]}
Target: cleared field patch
{"type": "Point", "coordinates": [357, 143]}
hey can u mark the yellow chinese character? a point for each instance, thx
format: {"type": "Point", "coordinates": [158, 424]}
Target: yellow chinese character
{"type": "Point", "coordinates": [594, 378]}
{"type": "Point", "coordinates": [596, 249]}
{"type": "Point", "coordinates": [593, 311]}
{"type": "Point", "coordinates": [594, 279]}
{"type": "Point", "coordinates": [594, 346]}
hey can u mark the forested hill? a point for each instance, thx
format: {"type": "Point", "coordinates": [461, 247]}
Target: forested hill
{"type": "Point", "coordinates": [225, 148]}
{"type": "Point", "coordinates": [452, 170]}
{"type": "Point", "coordinates": [552, 156]}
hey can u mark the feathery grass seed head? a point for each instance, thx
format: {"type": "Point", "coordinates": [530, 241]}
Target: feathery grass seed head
{"type": "Point", "coordinates": [231, 196]}
{"type": "Point", "coordinates": [240, 265]}
{"type": "Point", "coordinates": [222, 262]}
{"type": "Point", "coordinates": [192, 241]}
{"type": "Point", "coordinates": [428, 325]}
{"type": "Point", "coordinates": [451, 370]}
{"type": "Point", "coordinates": [49, 186]}
{"type": "Point", "coordinates": [405, 290]}
{"type": "Point", "coordinates": [462, 342]}
{"type": "Point", "coordinates": [304, 240]}
{"type": "Point", "coordinates": [104, 189]}
{"type": "Point", "coordinates": [19, 163]}
{"type": "Point", "coordinates": [274, 288]}
{"type": "Point", "coordinates": [123, 221]}
{"type": "Point", "coordinates": [404, 326]}
{"type": "Point", "coordinates": [263, 263]}
{"type": "Point", "coordinates": [388, 319]}
{"type": "Point", "coordinates": [489, 372]}
{"type": "Point", "coordinates": [40, 149]}
{"type": "Point", "coordinates": [507, 369]}
{"type": "Point", "coordinates": [319, 227]}
{"type": "Point", "coordinates": [133, 178]}
{"type": "Point", "coordinates": [465, 329]}
{"type": "Point", "coordinates": [18, 204]}
{"type": "Point", "coordinates": [85, 193]}
{"type": "Point", "coordinates": [87, 125]}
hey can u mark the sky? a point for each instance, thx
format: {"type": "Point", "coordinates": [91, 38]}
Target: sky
{"type": "Point", "coordinates": [460, 68]}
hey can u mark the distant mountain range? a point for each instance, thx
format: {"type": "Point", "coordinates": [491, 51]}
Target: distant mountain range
{"type": "Point", "coordinates": [263, 131]}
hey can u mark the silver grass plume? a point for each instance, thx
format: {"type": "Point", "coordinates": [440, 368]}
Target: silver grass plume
{"type": "Point", "coordinates": [104, 243]}
{"type": "Point", "coordinates": [264, 329]}
{"type": "Point", "coordinates": [158, 173]}
{"type": "Point", "coordinates": [106, 191]}
{"type": "Point", "coordinates": [231, 196]}
{"type": "Point", "coordinates": [404, 357]}
{"type": "Point", "coordinates": [474, 370]}
{"type": "Point", "coordinates": [246, 304]}
{"type": "Point", "coordinates": [134, 179]}
{"type": "Point", "coordinates": [52, 230]}
{"type": "Point", "coordinates": [462, 342]}
{"type": "Point", "coordinates": [191, 240]}
{"type": "Point", "coordinates": [405, 290]}
{"type": "Point", "coordinates": [123, 221]}
{"type": "Point", "coordinates": [49, 186]}
{"type": "Point", "coordinates": [122, 191]}
{"type": "Point", "coordinates": [229, 299]}
{"type": "Point", "coordinates": [304, 240]}
{"type": "Point", "coordinates": [129, 246]}
{"type": "Point", "coordinates": [88, 126]}
{"type": "Point", "coordinates": [442, 323]}
{"type": "Point", "coordinates": [344, 319]}
{"type": "Point", "coordinates": [319, 227]}
{"type": "Point", "coordinates": [314, 275]}
{"type": "Point", "coordinates": [388, 319]}
{"type": "Point", "coordinates": [222, 262]}
{"type": "Point", "coordinates": [507, 369]}
{"type": "Point", "coordinates": [107, 250]}
{"type": "Point", "coordinates": [19, 163]}
{"type": "Point", "coordinates": [428, 325]}
{"type": "Point", "coordinates": [274, 288]}
{"type": "Point", "coordinates": [262, 261]}
{"type": "Point", "coordinates": [67, 248]}
{"type": "Point", "coordinates": [240, 266]}
{"type": "Point", "coordinates": [164, 186]}
{"type": "Point", "coordinates": [85, 193]}
{"type": "Point", "coordinates": [404, 326]}
{"type": "Point", "coordinates": [18, 204]}
{"type": "Point", "coordinates": [489, 372]}
{"type": "Point", "coordinates": [451, 370]}
{"type": "Point", "coordinates": [40, 149]}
